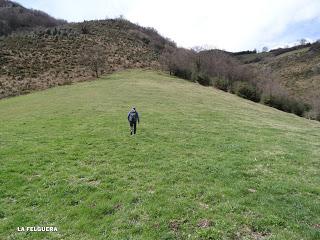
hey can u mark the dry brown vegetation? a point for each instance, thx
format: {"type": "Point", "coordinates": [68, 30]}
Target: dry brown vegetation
{"type": "Point", "coordinates": [229, 72]}
{"type": "Point", "coordinates": [56, 56]}
{"type": "Point", "coordinates": [295, 70]}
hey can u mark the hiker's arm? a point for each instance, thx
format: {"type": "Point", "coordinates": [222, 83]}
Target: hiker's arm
{"type": "Point", "coordinates": [138, 117]}
{"type": "Point", "coordinates": [128, 116]}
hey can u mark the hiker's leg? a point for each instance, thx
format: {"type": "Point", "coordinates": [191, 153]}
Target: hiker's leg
{"type": "Point", "coordinates": [131, 128]}
{"type": "Point", "coordinates": [135, 127]}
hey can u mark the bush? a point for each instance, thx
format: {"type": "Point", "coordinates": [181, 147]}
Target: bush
{"type": "Point", "coordinates": [85, 29]}
{"type": "Point", "coordinates": [202, 79]}
{"type": "Point", "coordinates": [246, 90]}
{"type": "Point", "coordinates": [299, 108]}
{"type": "Point", "coordinates": [182, 73]}
{"type": "Point", "coordinates": [275, 101]}
{"type": "Point", "coordinates": [287, 104]}
{"type": "Point", "coordinates": [221, 84]}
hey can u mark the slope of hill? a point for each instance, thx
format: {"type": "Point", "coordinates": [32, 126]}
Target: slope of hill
{"type": "Point", "coordinates": [204, 165]}
{"type": "Point", "coordinates": [54, 56]}
{"type": "Point", "coordinates": [60, 55]}
{"type": "Point", "coordinates": [297, 68]}
{"type": "Point", "coordinates": [14, 17]}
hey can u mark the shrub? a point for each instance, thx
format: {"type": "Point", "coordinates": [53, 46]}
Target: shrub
{"type": "Point", "coordinates": [182, 73]}
{"type": "Point", "coordinates": [246, 90]}
{"type": "Point", "coordinates": [298, 107]}
{"type": "Point", "coordinates": [202, 79]}
{"type": "Point", "coordinates": [221, 84]}
{"type": "Point", "coordinates": [84, 29]}
{"type": "Point", "coordinates": [274, 101]}
{"type": "Point", "coordinates": [287, 104]}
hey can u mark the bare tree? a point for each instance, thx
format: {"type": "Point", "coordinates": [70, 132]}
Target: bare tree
{"type": "Point", "coordinates": [95, 59]}
{"type": "Point", "coordinates": [167, 61]}
{"type": "Point", "coordinates": [303, 41]}
{"type": "Point", "coordinates": [179, 62]}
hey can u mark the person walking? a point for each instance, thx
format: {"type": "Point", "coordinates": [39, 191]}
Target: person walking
{"type": "Point", "coordinates": [133, 118]}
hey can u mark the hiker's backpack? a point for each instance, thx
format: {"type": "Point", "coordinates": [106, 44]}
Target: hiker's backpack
{"type": "Point", "coordinates": [133, 116]}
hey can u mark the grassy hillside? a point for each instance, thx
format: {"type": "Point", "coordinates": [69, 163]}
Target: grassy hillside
{"type": "Point", "coordinates": [204, 165]}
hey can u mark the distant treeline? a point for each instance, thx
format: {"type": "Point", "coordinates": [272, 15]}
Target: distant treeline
{"type": "Point", "coordinates": [277, 51]}
{"type": "Point", "coordinates": [223, 71]}
{"type": "Point", "coordinates": [14, 17]}
{"type": "Point", "coordinates": [280, 51]}
{"type": "Point", "coordinates": [244, 52]}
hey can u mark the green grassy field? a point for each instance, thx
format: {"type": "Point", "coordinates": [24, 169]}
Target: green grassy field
{"type": "Point", "coordinates": [204, 165]}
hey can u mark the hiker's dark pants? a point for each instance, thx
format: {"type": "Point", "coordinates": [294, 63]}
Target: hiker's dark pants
{"type": "Point", "coordinates": [133, 126]}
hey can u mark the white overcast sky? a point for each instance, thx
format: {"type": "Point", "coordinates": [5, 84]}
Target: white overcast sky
{"type": "Point", "coordinates": [233, 25]}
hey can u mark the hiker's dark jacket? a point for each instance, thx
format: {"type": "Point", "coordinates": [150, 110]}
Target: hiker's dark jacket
{"type": "Point", "coordinates": [136, 119]}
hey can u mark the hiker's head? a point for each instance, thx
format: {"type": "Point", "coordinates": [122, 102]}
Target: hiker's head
{"type": "Point", "coordinates": [134, 109]}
